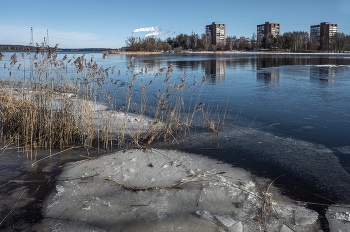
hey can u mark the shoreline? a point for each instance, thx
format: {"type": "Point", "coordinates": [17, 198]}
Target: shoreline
{"type": "Point", "coordinates": [112, 52]}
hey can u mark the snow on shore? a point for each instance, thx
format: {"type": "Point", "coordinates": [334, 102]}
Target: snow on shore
{"type": "Point", "coordinates": [168, 191]}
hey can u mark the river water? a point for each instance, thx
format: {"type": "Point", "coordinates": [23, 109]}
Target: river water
{"type": "Point", "coordinates": [287, 115]}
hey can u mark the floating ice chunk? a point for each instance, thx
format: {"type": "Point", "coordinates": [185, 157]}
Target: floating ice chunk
{"type": "Point", "coordinates": [87, 208]}
{"type": "Point", "coordinates": [238, 227]}
{"type": "Point", "coordinates": [305, 216]}
{"type": "Point", "coordinates": [60, 189]}
{"type": "Point", "coordinates": [225, 220]}
{"type": "Point", "coordinates": [161, 214]}
{"type": "Point", "coordinates": [205, 214]}
{"type": "Point", "coordinates": [106, 203]}
{"type": "Point", "coordinates": [342, 216]}
{"type": "Point", "coordinates": [285, 228]}
{"type": "Point", "coordinates": [240, 214]}
{"type": "Point", "coordinates": [249, 184]}
{"type": "Point", "coordinates": [338, 218]}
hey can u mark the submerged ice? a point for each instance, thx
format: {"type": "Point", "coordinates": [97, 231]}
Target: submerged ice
{"type": "Point", "coordinates": [315, 164]}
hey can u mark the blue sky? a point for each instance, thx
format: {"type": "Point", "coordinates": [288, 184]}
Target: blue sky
{"type": "Point", "coordinates": [107, 23]}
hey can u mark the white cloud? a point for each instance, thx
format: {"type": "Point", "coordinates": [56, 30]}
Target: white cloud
{"type": "Point", "coordinates": [21, 36]}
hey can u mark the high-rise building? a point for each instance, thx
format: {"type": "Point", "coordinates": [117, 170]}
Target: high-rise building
{"type": "Point", "coordinates": [217, 32]}
{"type": "Point", "coordinates": [323, 33]}
{"type": "Point", "coordinates": [269, 28]}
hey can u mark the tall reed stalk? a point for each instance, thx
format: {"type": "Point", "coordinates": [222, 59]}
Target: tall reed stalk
{"type": "Point", "coordinates": [75, 101]}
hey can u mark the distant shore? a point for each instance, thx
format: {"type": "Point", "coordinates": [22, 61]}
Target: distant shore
{"type": "Point", "coordinates": [131, 52]}
{"type": "Point", "coordinates": [226, 52]}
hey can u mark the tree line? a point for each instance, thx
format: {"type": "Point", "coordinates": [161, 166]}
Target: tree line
{"type": "Point", "coordinates": [296, 41]}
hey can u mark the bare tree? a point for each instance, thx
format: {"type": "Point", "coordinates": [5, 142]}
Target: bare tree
{"type": "Point", "coordinates": [130, 42]}
{"type": "Point", "coordinates": [253, 42]}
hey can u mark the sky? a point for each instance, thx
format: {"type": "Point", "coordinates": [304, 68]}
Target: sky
{"type": "Point", "coordinates": [108, 23]}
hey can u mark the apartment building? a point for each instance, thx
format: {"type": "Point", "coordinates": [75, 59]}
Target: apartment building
{"type": "Point", "coordinates": [323, 33]}
{"type": "Point", "coordinates": [217, 32]}
{"type": "Point", "coordinates": [269, 28]}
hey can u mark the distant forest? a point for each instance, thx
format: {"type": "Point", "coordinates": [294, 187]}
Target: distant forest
{"type": "Point", "coordinates": [297, 41]}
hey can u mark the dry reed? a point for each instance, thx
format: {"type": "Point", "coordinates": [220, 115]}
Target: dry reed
{"type": "Point", "coordinates": [60, 103]}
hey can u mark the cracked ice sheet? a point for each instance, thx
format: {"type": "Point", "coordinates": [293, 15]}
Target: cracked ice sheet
{"type": "Point", "coordinates": [314, 163]}
{"type": "Point", "coordinates": [229, 199]}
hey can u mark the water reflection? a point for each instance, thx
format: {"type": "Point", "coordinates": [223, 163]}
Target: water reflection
{"type": "Point", "coordinates": [266, 74]}
{"type": "Point", "coordinates": [262, 63]}
{"type": "Point", "coordinates": [324, 73]}
{"type": "Point", "coordinates": [215, 69]}
{"type": "Point", "coordinates": [269, 75]}
{"type": "Point", "coordinates": [186, 65]}
{"type": "Point", "coordinates": [241, 63]}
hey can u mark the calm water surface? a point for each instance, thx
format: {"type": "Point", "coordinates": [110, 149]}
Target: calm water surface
{"type": "Point", "coordinates": [303, 97]}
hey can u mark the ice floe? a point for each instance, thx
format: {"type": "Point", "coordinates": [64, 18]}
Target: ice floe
{"type": "Point", "coordinates": [167, 190]}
